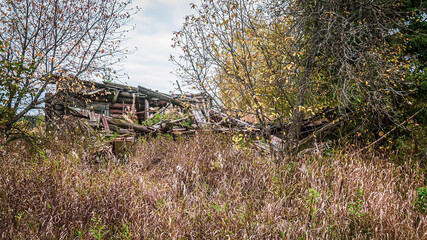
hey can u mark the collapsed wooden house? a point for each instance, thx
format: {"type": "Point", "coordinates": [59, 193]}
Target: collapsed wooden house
{"type": "Point", "coordinates": [120, 108]}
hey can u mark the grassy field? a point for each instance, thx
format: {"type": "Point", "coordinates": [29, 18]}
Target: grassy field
{"type": "Point", "coordinates": [205, 187]}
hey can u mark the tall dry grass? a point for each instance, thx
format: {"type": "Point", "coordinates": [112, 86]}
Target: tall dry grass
{"type": "Point", "coordinates": [204, 187]}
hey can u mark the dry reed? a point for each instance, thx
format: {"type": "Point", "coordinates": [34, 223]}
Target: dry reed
{"type": "Point", "coordinates": [204, 187]}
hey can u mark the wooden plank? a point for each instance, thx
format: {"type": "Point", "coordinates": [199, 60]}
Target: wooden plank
{"type": "Point", "coordinates": [114, 121]}
{"type": "Point", "coordinates": [94, 118]}
{"type": "Point", "coordinates": [199, 117]}
{"type": "Point", "coordinates": [124, 100]}
{"type": "Point", "coordinates": [105, 123]}
{"type": "Point", "coordinates": [237, 122]}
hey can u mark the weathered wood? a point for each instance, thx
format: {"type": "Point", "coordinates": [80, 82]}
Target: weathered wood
{"type": "Point", "coordinates": [124, 131]}
{"type": "Point", "coordinates": [163, 109]}
{"type": "Point", "coordinates": [161, 96]}
{"type": "Point", "coordinates": [115, 115]}
{"type": "Point", "coordinates": [116, 111]}
{"type": "Point", "coordinates": [120, 145]}
{"type": "Point", "coordinates": [95, 91]}
{"type": "Point", "coordinates": [147, 109]}
{"type": "Point", "coordinates": [125, 91]}
{"type": "Point", "coordinates": [97, 106]}
{"type": "Point", "coordinates": [119, 106]}
{"type": "Point", "coordinates": [124, 100]}
{"type": "Point", "coordinates": [99, 99]}
{"type": "Point", "coordinates": [163, 123]}
{"type": "Point", "coordinates": [125, 124]}
{"type": "Point", "coordinates": [199, 117]}
{"type": "Point", "coordinates": [130, 95]}
{"type": "Point", "coordinates": [58, 107]}
{"type": "Point", "coordinates": [277, 143]}
{"type": "Point", "coordinates": [121, 86]}
{"type": "Point", "coordinates": [113, 99]}
{"type": "Point", "coordinates": [105, 124]}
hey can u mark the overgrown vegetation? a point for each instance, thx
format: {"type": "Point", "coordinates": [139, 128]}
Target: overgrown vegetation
{"type": "Point", "coordinates": [47, 43]}
{"type": "Point", "coordinates": [338, 86]}
{"type": "Point", "coordinates": [206, 186]}
{"type": "Point", "coordinates": [285, 61]}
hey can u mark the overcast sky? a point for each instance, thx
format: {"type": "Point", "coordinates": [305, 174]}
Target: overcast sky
{"type": "Point", "coordinates": [154, 27]}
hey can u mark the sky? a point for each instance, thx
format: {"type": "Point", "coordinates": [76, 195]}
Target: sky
{"type": "Point", "coordinates": [149, 65]}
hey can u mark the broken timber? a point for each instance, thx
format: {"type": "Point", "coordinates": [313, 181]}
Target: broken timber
{"type": "Point", "coordinates": [118, 108]}
{"type": "Point", "coordinates": [161, 96]}
{"type": "Point", "coordinates": [118, 122]}
{"type": "Point", "coordinates": [126, 110]}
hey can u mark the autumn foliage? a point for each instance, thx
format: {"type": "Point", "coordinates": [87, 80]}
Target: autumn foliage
{"type": "Point", "coordinates": [50, 43]}
{"type": "Point", "coordinates": [285, 61]}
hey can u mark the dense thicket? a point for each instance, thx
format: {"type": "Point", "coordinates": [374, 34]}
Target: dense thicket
{"type": "Point", "coordinates": [283, 61]}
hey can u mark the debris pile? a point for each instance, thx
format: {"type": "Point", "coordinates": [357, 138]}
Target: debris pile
{"type": "Point", "coordinates": [125, 112]}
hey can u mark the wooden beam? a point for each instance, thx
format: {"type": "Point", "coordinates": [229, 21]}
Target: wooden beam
{"type": "Point", "coordinates": [114, 121]}
{"type": "Point", "coordinates": [161, 96]}
{"type": "Point", "coordinates": [125, 124]}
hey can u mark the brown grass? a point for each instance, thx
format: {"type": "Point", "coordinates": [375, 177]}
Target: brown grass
{"type": "Point", "coordinates": [205, 188]}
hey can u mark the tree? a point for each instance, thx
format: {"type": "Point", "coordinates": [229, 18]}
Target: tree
{"type": "Point", "coordinates": [297, 58]}
{"type": "Point", "coordinates": [54, 42]}
{"type": "Point", "coordinates": [414, 38]}
{"type": "Point", "coordinates": [236, 52]}
{"type": "Point", "coordinates": [350, 44]}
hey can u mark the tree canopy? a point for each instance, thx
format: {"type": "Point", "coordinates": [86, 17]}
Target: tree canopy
{"type": "Point", "coordinates": [283, 61]}
{"type": "Point", "coordinates": [54, 42]}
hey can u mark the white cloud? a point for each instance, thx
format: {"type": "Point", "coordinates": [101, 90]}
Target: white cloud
{"type": "Point", "coordinates": [154, 26]}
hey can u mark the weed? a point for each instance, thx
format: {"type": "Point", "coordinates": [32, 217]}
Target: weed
{"type": "Point", "coordinates": [421, 202]}
{"type": "Point", "coordinates": [355, 206]}
{"type": "Point", "coordinates": [113, 136]}
{"type": "Point", "coordinates": [217, 207]}
{"type": "Point", "coordinates": [79, 234]}
{"type": "Point", "coordinates": [125, 233]}
{"type": "Point", "coordinates": [98, 229]}
{"type": "Point", "coordinates": [239, 141]}
{"type": "Point", "coordinates": [311, 200]}
{"type": "Point", "coordinates": [292, 165]}
{"type": "Point", "coordinates": [19, 216]}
